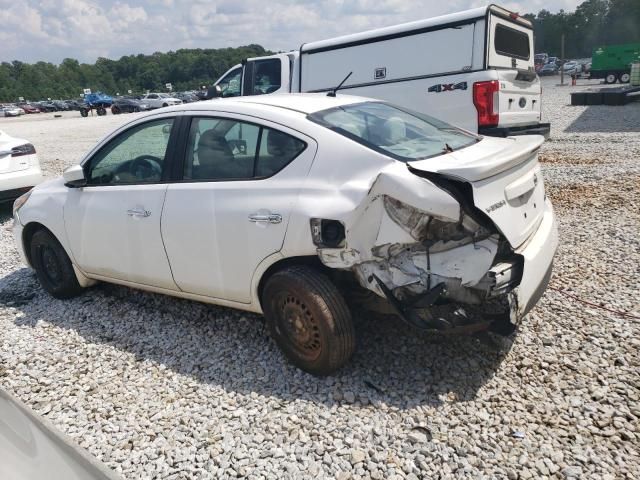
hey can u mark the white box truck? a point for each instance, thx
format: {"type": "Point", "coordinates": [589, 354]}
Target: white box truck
{"type": "Point", "coordinates": [474, 69]}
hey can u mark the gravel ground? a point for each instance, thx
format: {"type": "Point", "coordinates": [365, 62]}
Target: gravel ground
{"type": "Point", "coordinates": [162, 388]}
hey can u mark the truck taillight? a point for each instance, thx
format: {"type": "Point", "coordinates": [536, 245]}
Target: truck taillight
{"type": "Point", "coordinates": [485, 98]}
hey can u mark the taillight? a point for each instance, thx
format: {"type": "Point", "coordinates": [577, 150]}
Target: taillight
{"type": "Point", "coordinates": [26, 149]}
{"type": "Point", "coordinates": [485, 98]}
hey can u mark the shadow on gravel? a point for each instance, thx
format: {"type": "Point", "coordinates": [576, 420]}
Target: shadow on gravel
{"type": "Point", "coordinates": [597, 118]}
{"type": "Point", "coordinates": [231, 349]}
{"type": "Point", "coordinates": [5, 211]}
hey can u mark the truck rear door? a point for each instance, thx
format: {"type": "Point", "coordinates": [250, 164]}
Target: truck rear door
{"type": "Point", "coordinates": [510, 52]}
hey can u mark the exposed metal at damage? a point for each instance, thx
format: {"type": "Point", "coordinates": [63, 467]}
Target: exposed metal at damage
{"type": "Point", "coordinates": [436, 268]}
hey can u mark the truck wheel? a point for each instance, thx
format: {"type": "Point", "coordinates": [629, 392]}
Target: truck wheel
{"type": "Point", "coordinates": [53, 267]}
{"type": "Point", "coordinates": [84, 112]}
{"type": "Point", "coordinates": [309, 319]}
{"type": "Point", "coordinates": [624, 77]}
{"type": "Point", "coordinates": [115, 110]}
{"type": "Point", "coordinates": [101, 111]}
{"type": "Point", "coordinates": [610, 78]}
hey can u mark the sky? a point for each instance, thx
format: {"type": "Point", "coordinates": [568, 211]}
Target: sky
{"type": "Point", "coordinates": [51, 30]}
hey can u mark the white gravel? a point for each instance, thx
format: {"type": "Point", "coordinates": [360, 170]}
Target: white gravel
{"type": "Point", "coordinates": [162, 388]}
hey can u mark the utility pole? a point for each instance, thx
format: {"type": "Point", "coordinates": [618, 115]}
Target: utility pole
{"type": "Point", "coordinates": [562, 59]}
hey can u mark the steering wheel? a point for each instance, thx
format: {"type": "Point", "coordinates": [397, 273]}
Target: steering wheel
{"type": "Point", "coordinates": [142, 167]}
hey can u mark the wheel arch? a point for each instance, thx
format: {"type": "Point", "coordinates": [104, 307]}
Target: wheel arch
{"type": "Point", "coordinates": [309, 260]}
{"type": "Point", "coordinates": [27, 234]}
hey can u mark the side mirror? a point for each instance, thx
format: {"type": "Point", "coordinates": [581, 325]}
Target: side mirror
{"type": "Point", "coordinates": [74, 176]}
{"type": "Point", "coordinates": [214, 92]}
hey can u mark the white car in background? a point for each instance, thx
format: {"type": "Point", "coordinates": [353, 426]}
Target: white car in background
{"type": "Point", "coordinates": [289, 205]}
{"type": "Point", "coordinates": [19, 167]}
{"type": "Point", "coordinates": [11, 111]}
{"type": "Point", "coordinates": [159, 100]}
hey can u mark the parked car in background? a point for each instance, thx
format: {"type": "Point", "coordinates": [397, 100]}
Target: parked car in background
{"type": "Point", "coordinates": [62, 106]}
{"type": "Point", "coordinates": [159, 100]}
{"type": "Point", "coordinates": [548, 69]}
{"type": "Point", "coordinates": [128, 105]}
{"type": "Point", "coordinates": [187, 97]}
{"type": "Point", "coordinates": [284, 204]}
{"type": "Point", "coordinates": [10, 111]}
{"type": "Point", "coordinates": [19, 167]}
{"type": "Point", "coordinates": [572, 68]}
{"type": "Point", "coordinates": [29, 108]}
{"type": "Point", "coordinates": [46, 106]}
{"type": "Point", "coordinates": [73, 104]}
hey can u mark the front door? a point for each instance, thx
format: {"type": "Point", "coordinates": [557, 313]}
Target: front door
{"type": "Point", "coordinates": [231, 209]}
{"type": "Point", "coordinates": [113, 223]}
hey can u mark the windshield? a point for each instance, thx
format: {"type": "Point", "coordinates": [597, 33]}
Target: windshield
{"type": "Point", "coordinates": [403, 135]}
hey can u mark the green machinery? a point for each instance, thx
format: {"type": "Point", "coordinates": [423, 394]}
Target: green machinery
{"type": "Point", "coordinates": [613, 63]}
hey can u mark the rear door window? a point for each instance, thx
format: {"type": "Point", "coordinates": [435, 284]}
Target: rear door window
{"type": "Point", "coordinates": [511, 42]}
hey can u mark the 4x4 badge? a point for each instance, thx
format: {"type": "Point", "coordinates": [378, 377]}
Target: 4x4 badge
{"type": "Point", "coordinates": [448, 87]}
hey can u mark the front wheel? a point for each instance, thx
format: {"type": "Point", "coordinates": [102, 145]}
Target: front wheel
{"type": "Point", "coordinates": [84, 112]}
{"type": "Point", "coordinates": [53, 266]}
{"type": "Point", "coordinates": [610, 78]}
{"type": "Point", "coordinates": [309, 319]}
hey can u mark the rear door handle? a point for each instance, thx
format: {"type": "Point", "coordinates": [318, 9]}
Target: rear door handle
{"type": "Point", "coordinates": [265, 218]}
{"type": "Point", "coordinates": [138, 212]}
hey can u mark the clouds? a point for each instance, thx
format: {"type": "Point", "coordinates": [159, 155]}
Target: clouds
{"type": "Point", "coordinates": [51, 30]}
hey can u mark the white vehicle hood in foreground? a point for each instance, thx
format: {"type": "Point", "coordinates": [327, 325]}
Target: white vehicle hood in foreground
{"type": "Point", "coordinates": [31, 448]}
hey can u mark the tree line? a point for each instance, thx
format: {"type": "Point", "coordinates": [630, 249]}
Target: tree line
{"type": "Point", "coordinates": [594, 23]}
{"type": "Point", "coordinates": [185, 69]}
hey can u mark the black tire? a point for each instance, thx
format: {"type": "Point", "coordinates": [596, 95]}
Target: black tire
{"type": "Point", "coordinates": [115, 110]}
{"type": "Point", "coordinates": [53, 266]}
{"type": "Point", "coordinates": [84, 112]}
{"type": "Point", "coordinates": [624, 77]}
{"type": "Point", "coordinates": [165, 105]}
{"type": "Point", "coordinates": [610, 78]}
{"type": "Point", "coordinates": [309, 319]}
{"type": "Point", "coordinates": [101, 111]}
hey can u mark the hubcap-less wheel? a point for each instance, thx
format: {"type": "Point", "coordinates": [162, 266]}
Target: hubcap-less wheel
{"type": "Point", "coordinates": [300, 327]}
{"type": "Point", "coordinates": [610, 78]}
{"type": "Point", "coordinates": [53, 266]}
{"type": "Point", "coordinates": [624, 78]}
{"type": "Point", "coordinates": [308, 319]}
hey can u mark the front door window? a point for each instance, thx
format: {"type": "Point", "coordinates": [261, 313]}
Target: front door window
{"type": "Point", "coordinates": [133, 157]}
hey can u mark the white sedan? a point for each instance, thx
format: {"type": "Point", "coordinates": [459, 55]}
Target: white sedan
{"type": "Point", "coordinates": [290, 205]}
{"type": "Point", "coordinates": [159, 100]}
{"type": "Point", "coordinates": [19, 167]}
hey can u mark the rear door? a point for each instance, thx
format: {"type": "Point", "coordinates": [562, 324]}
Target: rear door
{"type": "Point", "coordinates": [231, 208]}
{"type": "Point", "coordinates": [510, 51]}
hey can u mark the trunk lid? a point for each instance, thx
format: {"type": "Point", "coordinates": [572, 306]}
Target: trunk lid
{"type": "Point", "coordinates": [506, 181]}
{"type": "Point", "coordinates": [9, 164]}
{"type": "Point", "coordinates": [518, 98]}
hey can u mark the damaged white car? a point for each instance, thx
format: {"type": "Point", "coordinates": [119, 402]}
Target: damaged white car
{"type": "Point", "coordinates": [295, 205]}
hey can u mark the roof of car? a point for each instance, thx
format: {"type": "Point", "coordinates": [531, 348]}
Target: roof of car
{"type": "Point", "coordinates": [300, 102]}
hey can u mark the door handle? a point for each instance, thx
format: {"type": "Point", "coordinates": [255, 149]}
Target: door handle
{"type": "Point", "coordinates": [138, 212]}
{"type": "Point", "coordinates": [266, 218]}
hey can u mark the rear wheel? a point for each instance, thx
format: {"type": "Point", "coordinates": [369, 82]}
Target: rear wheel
{"type": "Point", "coordinates": [53, 266]}
{"type": "Point", "coordinates": [165, 105]}
{"type": "Point", "coordinates": [84, 112]}
{"type": "Point", "coordinates": [101, 111]}
{"type": "Point", "coordinates": [610, 78]}
{"type": "Point", "coordinates": [624, 77]}
{"type": "Point", "coordinates": [309, 319]}
{"type": "Point", "coordinates": [115, 110]}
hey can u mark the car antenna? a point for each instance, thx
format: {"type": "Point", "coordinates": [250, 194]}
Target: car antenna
{"type": "Point", "coordinates": [332, 93]}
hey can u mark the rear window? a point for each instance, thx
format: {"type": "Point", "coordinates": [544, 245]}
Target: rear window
{"type": "Point", "coordinates": [398, 133]}
{"type": "Point", "coordinates": [511, 42]}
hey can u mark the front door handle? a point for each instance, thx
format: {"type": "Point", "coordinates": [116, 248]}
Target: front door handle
{"type": "Point", "coordinates": [265, 218]}
{"type": "Point", "coordinates": [138, 212]}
